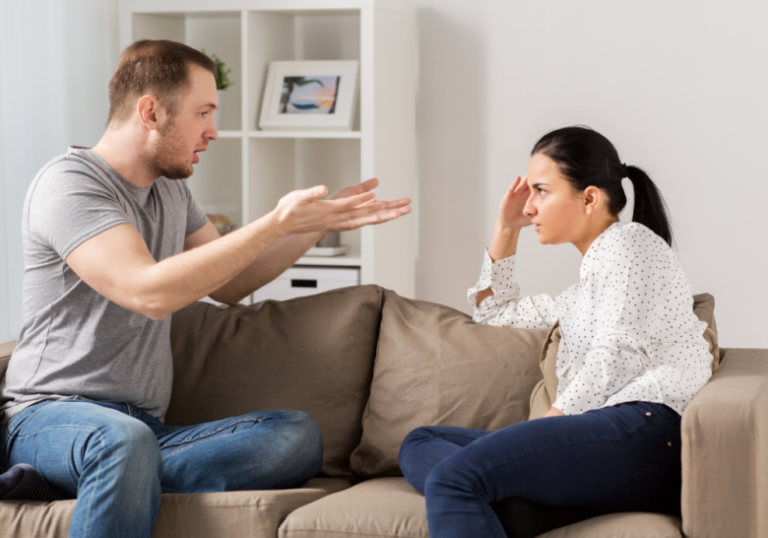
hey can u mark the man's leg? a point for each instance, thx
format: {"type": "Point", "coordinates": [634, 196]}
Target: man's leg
{"type": "Point", "coordinates": [108, 460]}
{"type": "Point", "coordinates": [264, 450]}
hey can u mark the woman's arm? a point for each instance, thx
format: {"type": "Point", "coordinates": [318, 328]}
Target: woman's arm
{"type": "Point", "coordinates": [496, 297]}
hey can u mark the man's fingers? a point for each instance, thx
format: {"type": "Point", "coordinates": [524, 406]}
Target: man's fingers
{"type": "Point", "coordinates": [311, 194]}
{"type": "Point", "coordinates": [353, 201]}
{"type": "Point", "coordinates": [379, 217]}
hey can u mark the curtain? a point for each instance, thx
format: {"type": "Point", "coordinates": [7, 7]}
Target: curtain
{"type": "Point", "coordinates": [56, 57]}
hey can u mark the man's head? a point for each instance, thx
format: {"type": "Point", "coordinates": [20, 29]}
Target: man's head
{"type": "Point", "coordinates": [168, 90]}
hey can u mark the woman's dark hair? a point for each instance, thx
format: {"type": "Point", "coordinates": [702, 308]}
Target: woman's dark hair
{"type": "Point", "coordinates": [585, 158]}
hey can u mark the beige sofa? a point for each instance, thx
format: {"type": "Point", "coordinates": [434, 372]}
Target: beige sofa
{"type": "Point", "coordinates": [370, 366]}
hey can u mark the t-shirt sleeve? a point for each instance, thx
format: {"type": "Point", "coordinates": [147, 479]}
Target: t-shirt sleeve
{"type": "Point", "coordinates": [69, 207]}
{"type": "Point", "coordinates": [196, 219]}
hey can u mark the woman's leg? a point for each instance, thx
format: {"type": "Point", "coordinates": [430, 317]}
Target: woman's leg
{"type": "Point", "coordinates": [620, 458]}
{"type": "Point", "coordinates": [427, 446]}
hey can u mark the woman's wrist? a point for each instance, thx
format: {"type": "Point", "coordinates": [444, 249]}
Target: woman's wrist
{"type": "Point", "coordinates": [504, 242]}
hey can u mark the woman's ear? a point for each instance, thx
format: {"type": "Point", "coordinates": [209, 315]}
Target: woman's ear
{"type": "Point", "coordinates": [592, 198]}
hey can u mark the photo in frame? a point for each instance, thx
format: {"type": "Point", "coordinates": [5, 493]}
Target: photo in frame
{"type": "Point", "coordinates": [310, 95]}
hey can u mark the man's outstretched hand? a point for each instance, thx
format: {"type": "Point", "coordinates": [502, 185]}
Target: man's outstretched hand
{"type": "Point", "coordinates": [347, 209]}
{"type": "Point", "coordinates": [385, 211]}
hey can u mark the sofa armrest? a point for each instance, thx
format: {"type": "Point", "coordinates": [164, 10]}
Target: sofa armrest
{"type": "Point", "coordinates": [725, 450]}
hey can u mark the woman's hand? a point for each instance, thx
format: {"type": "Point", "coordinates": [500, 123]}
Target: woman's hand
{"type": "Point", "coordinates": [511, 209]}
{"type": "Point", "coordinates": [554, 412]}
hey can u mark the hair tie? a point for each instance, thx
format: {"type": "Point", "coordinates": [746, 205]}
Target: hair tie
{"type": "Point", "coordinates": [624, 170]}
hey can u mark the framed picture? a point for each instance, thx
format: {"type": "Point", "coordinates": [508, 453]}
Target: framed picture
{"type": "Point", "coordinates": [310, 95]}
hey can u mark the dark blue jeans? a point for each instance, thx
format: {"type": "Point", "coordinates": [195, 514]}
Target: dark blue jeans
{"type": "Point", "coordinates": [116, 459]}
{"type": "Point", "coordinates": [616, 459]}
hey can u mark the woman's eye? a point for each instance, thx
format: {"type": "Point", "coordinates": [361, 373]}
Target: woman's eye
{"type": "Point", "coordinates": [542, 191]}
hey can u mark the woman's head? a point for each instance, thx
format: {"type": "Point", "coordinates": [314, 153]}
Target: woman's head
{"type": "Point", "coordinates": [587, 164]}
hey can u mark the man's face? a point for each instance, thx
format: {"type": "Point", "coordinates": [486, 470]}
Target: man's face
{"type": "Point", "coordinates": [179, 139]}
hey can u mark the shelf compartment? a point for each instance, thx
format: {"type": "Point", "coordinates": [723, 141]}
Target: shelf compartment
{"type": "Point", "coordinates": [216, 184]}
{"type": "Point", "coordinates": [304, 134]}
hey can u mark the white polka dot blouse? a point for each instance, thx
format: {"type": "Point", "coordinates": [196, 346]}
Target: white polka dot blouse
{"type": "Point", "coordinates": [628, 328]}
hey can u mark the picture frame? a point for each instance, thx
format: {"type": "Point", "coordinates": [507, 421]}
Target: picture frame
{"type": "Point", "coordinates": [310, 95]}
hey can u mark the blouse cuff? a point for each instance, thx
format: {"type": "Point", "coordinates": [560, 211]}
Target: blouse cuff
{"type": "Point", "coordinates": [498, 275]}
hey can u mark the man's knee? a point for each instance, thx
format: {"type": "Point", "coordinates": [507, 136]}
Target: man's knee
{"type": "Point", "coordinates": [127, 443]}
{"type": "Point", "coordinates": [304, 443]}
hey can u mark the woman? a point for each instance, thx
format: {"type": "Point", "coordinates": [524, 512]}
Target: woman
{"type": "Point", "coordinates": [631, 357]}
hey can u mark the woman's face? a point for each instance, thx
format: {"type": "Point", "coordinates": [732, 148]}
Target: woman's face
{"type": "Point", "coordinates": [558, 214]}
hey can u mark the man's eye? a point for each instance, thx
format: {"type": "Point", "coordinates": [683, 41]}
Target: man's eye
{"type": "Point", "coordinates": [204, 114]}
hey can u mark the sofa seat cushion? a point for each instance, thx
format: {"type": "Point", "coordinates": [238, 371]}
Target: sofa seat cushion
{"type": "Point", "coordinates": [381, 507]}
{"type": "Point", "coordinates": [235, 514]}
{"type": "Point", "coordinates": [626, 525]}
{"type": "Point", "coordinates": [390, 507]}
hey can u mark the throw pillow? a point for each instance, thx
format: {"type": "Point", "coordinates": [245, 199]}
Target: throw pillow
{"type": "Point", "coordinates": [313, 354]}
{"type": "Point", "coordinates": [435, 366]}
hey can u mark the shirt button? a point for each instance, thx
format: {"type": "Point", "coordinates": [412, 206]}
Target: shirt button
{"type": "Point", "coordinates": [648, 414]}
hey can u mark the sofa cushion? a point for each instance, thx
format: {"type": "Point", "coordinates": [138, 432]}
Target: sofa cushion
{"type": "Point", "coordinates": [625, 525]}
{"type": "Point", "coordinates": [382, 507]}
{"type": "Point", "coordinates": [312, 354]}
{"type": "Point", "coordinates": [236, 514]}
{"type": "Point", "coordinates": [390, 507]}
{"type": "Point", "coordinates": [435, 366]}
{"type": "Point", "coordinates": [544, 393]}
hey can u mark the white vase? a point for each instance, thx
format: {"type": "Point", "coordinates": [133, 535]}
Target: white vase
{"type": "Point", "coordinates": [217, 113]}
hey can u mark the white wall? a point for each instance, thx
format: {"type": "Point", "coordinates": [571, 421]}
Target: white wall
{"type": "Point", "coordinates": [679, 87]}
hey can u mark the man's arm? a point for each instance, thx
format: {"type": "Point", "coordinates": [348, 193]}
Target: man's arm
{"type": "Point", "coordinates": [283, 254]}
{"type": "Point", "coordinates": [117, 264]}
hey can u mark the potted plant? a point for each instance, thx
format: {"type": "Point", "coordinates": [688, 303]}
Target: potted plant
{"type": "Point", "coordinates": [222, 82]}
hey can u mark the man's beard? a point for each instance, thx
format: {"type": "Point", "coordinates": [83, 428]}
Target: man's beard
{"type": "Point", "coordinates": [166, 151]}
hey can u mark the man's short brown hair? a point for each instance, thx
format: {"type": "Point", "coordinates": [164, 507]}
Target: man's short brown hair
{"type": "Point", "coordinates": [159, 68]}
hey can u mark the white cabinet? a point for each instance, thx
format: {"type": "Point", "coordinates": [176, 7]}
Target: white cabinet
{"type": "Point", "coordinates": [302, 281]}
{"type": "Point", "coordinates": [247, 170]}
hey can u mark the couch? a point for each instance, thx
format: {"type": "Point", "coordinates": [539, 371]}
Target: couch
{"type": "Point", "coordinates": [369, 366]}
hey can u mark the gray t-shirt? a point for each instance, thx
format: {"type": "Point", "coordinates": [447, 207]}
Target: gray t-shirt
{"type": "Point", "coordinates": [74, 341]}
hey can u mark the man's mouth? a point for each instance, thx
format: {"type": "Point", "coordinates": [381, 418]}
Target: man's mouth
{"type": "Point", "coordinates": [197, 157]}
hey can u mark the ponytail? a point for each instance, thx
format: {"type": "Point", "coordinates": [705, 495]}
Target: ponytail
{"type": "Point", "coordinates": [585, 158]}
{"type": "Point", "coordinates": [650, 209]}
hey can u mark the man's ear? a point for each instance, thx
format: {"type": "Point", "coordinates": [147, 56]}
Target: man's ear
{"type": "Point", "coordinates": [592, 198]}
{"type": "Point", "coordinates": [149, 110]}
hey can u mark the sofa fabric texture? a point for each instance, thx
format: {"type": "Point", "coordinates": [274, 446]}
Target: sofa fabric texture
{"type": "Point", "coordinates": [313, 354]}
{"type": "Point", "coordinates": [435, 366]}
{"type": "Point", "coordinates": [235, 514]}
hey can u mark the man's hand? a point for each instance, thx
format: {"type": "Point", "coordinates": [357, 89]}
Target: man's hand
{"type": "Point", "coordinates": [304, 211]}
{"type": "Point", "coordinates": [387, 210]}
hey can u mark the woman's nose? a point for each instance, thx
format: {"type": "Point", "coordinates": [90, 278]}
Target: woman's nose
{"type": "Point", "coordinates": [529, 210]}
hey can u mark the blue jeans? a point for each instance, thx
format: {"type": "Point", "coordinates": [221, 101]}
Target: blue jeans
{"type": "Point", "coordinates": [117, 460]}
{"type": "Point", "coordinates": [616, 459]}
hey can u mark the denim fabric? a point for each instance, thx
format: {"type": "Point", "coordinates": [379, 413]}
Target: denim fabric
{"type": "Point", "coordinates": [117, 459]}
{"type": "Point", "coordinates": [616, 459]}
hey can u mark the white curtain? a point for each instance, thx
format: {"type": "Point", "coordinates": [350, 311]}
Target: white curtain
{"type": "Point", "coordinates": [56, 57]}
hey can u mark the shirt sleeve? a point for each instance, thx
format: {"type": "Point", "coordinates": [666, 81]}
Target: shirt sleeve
{"type": "Point", "coordinates": [505, 308]}
{"type": "Point", "coordinates": [621, 289]}
{"type": "Point", "coordinates": [67, 208]}
{"type": "Point", "coordinates": [196, 218]}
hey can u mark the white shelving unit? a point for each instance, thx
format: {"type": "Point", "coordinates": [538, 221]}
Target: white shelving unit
{"type": "Point", "coordinates": [247, 170]}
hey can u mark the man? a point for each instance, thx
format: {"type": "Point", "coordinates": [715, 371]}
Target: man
{"type": "Point", "coordinates": [113, 245]}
